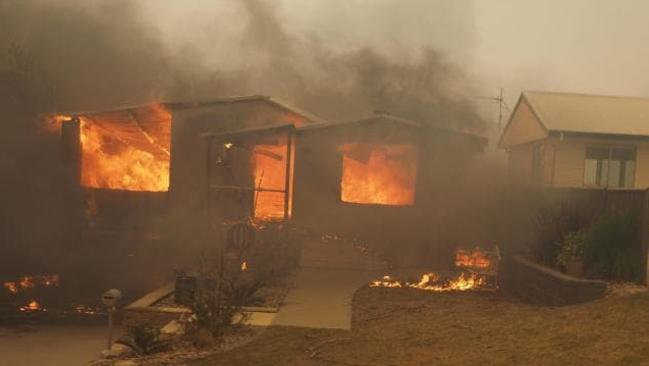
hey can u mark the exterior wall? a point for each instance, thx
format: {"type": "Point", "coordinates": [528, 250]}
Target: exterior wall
{"type": "Point", "coordinates": [520, 164]}
{"type": "Point", "coordinates": [569, 163]}
{"type": "Point", "coordinates": [188, 180]}
{"type": "Point", "coordinates": [398, 232]}
{"type": "Point", "coordinates": [523, 127]}
{"type": "Point", "coordinates": [564, 161]}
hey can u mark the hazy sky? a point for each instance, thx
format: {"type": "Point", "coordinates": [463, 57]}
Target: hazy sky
{"type": "Point", "coordinates": [595, 46]}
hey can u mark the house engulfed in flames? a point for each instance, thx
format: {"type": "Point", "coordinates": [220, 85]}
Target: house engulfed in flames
{"type": "Point", "coordinates": [240, 158]}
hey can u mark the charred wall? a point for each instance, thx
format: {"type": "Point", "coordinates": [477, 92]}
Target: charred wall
{"type": "Point", "coordinates": [408, 234]}
{"type": "Point", "coordinates": [188, 185]}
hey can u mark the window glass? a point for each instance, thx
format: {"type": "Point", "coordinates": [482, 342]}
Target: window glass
{"type": "Point", "coordinates": [629, 174]}
{"type": "Point", "coordinates": [609, 167]}
{"type": "Point", "coordinates": [590, 172]}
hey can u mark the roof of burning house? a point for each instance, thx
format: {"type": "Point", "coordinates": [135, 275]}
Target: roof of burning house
{"type": "Point", "coordinates": [383, 117]}
{"type": "Point", "coordinates": [586, 114]}
{"type": "Point", "coordinates": [179, 105]}
{"type": "Point", "coordinates": [249, 131]}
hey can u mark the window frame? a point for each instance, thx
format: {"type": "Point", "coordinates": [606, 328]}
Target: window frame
{"type": "Point", "coordinates": [610, 148]}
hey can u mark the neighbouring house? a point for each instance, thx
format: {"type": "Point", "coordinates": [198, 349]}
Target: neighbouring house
{"type": "Point", "coordinates": [578, 140]}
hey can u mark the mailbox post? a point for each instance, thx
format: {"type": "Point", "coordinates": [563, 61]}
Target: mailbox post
{"type": "Point", "coordinates": [110, 299]}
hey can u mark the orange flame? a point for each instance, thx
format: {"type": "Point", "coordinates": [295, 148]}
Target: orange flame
{"type": "Point", "coordinates": [244, 266]}
{"type": "Point", "coordinates": [32, 306]}
{"type": "Point", "coordinates": [11, 287]}
{"type": "Point", "coordinates": [379, 174]}
{"type": "Point", "coordinates": [433, 282]}
{"type": "Point", "coordinates": [475, 258]}
{"type": "Point", "coordinates": [28, 282]}
{"type": "Point", "coordinates": [107, 162]}
{"type": "Point", "coordinates": [52, 123]}
{"type": "Point", "coordinates": [269, 163]}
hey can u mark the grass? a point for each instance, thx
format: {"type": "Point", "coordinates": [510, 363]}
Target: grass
{"type": "Point", "coordinates": [410, 327]}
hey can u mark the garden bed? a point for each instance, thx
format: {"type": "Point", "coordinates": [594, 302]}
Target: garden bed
{"type": "Point", "coordinates": [547, 286]}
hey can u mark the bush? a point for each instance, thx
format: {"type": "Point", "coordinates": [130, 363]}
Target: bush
{"type": "Point", "coordinates": [553, 224]}
{"type": "Point", "coordinates": [223, 289]}
{"type": "Point", "coordinates": [144, 340]}
{"type": "Point", "coordinates": [612, 249]}
{"type": "Point", "coordinates": [572, 247]}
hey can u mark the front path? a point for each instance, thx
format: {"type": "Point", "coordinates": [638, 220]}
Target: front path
{"type": "Point", "coordinates": [330, 272]}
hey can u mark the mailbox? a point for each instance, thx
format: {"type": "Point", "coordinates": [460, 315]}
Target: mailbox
{"type": "Point", "coordinates": [111, 297]}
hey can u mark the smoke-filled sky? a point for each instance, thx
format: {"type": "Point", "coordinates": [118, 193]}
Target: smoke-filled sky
{"type": "Point", "coordinates": [423, 59]}
{"type": "Point", "coordinates": [594, 46]}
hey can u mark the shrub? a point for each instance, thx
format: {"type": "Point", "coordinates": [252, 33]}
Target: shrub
{"type": "Point", "coordinates": [572, 247]}
{"type": "Point", "coordinates": [612, 249]}
{"type": "Point", "coordinates": [221, 293]}
{"type": "Point", "coordinates": [144, 340]}
{"type": "Point", "coordinates": [553, 224]}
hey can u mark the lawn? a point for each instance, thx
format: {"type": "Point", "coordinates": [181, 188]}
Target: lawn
{"type": "Point", "coordinates": [410, 327]}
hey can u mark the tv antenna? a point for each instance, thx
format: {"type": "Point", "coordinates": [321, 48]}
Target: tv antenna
{"type": "Point", "coordinates": [501, 103]}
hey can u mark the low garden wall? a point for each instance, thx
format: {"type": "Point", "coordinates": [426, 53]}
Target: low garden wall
{"type": "Point", "coordinates": [544, 285]}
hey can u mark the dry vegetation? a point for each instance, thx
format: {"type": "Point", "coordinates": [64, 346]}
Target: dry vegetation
{"type": "Point", "coordinates": [409, 327]}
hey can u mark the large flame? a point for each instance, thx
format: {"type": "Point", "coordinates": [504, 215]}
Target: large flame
{"type": "Point", "coordinates": [107, 162]}
{"type": "Point", "coordinates": [269, 162]}
{"type": "Point", "coordinates": [379, 174]}
{"type": "Point", "coordinates": [125, 150]}
{"type": "Point", "coordinates": [433, 282]}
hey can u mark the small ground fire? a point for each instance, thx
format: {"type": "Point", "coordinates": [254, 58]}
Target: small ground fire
{"type": "Point", "coordinates": [29, 282]}
{"type": "Point", "coordinates": [379, 174]}
{"type": "Point", "coordinates": [434, 282]}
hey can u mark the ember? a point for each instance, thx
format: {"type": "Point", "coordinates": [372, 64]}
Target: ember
{"type": "Point", "coordinates": [32, 306]}
{"type": "Point", "coordinates": [379, 174]}
{"type": "Point", "coordinates": [28, 282]}
{"type": "Point", "coordinates": [433, 282]}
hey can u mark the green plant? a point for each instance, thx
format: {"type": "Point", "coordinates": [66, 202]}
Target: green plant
{"type": "Point", "coordinates": [144, 339]}
{"type": "Point", "coordinates": [572, 247]}
{"type": "Point", "coordinates": [553, 224]}
{"type": "Point", "coordinates": [612, 249]}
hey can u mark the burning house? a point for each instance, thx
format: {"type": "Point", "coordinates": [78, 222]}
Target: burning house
{"type": "Point", "coordinates": [381, 179]}
{"type": "Point", "coordinates": [124, 162]}
{"type": "Point", "coordinates": [183, 167]}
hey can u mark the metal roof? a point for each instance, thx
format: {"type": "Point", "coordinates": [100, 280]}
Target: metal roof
{"type": "Point", "coordinates": [379, 117]}
{"type": "Point", "coordinates": [592, 114]}
{"type": "Point", "coordinates": [178, 105]}
{"type": "Point", "coordinates": [382, 117]}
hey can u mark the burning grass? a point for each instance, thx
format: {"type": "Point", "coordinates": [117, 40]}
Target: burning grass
{"type": "Point", "coordinates": [408, 327]}
{"type": "Point", "coordinates": [434, 282]}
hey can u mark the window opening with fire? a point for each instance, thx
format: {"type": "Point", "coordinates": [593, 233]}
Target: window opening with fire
{"type": "Point", "coordinates": [126, 150]}
{"type": "Point", "coordinates": [255, 174]}
{"type": "Point", "coordinates": [380, 174]}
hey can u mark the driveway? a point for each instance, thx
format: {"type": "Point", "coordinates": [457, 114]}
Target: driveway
{"type": "Point", "coordinates": [51, 345]}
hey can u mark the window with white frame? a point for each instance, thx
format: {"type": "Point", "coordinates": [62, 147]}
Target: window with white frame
{"type": "Point", "coordinates": [609, 166]}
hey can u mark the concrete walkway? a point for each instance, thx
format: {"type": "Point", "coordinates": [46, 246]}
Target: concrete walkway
{"type": "Point", "coordinates": [321, 297]}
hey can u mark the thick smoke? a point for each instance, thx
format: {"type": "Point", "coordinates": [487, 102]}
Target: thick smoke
{"type": "Point", "coordinates": [416, 84]}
